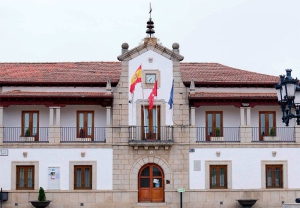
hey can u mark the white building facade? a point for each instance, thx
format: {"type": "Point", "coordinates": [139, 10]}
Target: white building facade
{"type": "Point", "coordinates": [76, 130]}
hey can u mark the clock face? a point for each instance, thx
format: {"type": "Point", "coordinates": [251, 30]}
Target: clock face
{"type": "Point", "coordinates": [150, 78]}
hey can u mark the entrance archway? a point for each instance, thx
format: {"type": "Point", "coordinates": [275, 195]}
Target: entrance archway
{"type": "Point", "coordinates": [151, 183]}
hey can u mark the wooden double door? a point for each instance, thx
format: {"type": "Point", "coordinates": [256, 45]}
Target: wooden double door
{"type": "Point", "coordinates": [151, 123]}
{"type": "Point", "coordinates": [151, 183]}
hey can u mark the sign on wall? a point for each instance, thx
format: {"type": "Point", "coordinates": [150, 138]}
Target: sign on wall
{"type": "Point", "coordinates": [197, 165]}
{"type": "Point", "coordinates": [53, 177]}
{"type": "Point", "coordinates": [3, 152]}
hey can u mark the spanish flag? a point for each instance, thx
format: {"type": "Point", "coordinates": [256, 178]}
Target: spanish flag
{"type": "Point", "coordinates": [136, 78]}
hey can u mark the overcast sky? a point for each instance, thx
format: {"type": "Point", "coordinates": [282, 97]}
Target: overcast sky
{"type": "Point", "coordinates": [255, 35]}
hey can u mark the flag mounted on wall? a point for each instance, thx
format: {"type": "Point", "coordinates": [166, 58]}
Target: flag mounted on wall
{"type": "Point", "coordinates": [171, 96]}
{"type": "Point", "coordinates": [136, 78]}
{"type": "Point", "coordinates": [152, 95]}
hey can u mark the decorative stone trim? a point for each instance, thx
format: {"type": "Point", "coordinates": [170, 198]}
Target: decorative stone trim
{"type": "Point", "coordinates": [150, 159]}
{"type": "Point", "coordinates": [150, 46]}
{"type": "Point", "coordinates": [284, 163]}
{"type": "Point", "coordinates": [14, 165]}
{"type": "Point", "coordinates": [25, 154]}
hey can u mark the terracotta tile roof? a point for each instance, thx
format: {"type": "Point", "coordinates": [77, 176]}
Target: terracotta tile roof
{"type": "Point", "coordinates": [218, 73]}
{"type": "Point", "coordinates": [18, 93]}
{"type": "Point", "coordinates": [99, 72]}
{"type": "Point", "coordinates": [220, 95]}
{"type": "Point", "coordinates": [77, 72]}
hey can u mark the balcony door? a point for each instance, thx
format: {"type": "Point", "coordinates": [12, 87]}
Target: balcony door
{"type": "Point", "coordinates": [151, 123]}
{"type": "Point", "coordinates": [151, 183]}
{"type": "Point", "coordinates": [267, 124]}
{"type": "Point", "coordinates": [85, 124]}
{"type": "Point", "coordinates": [214, 124]}
{"type": "Point", "coordinates": [30, 124]}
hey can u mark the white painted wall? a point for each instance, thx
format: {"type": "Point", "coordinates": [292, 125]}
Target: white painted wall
{"type": "Point", "coordinates": [54, 89]}
{"type": "Point", "coordinates": [69, 114]}
{"type": "Point", "coordinates": [13, 114]}
{"type": "Point", "coordinates": [246, 165]}
{"type": "Point", "coordinates": [231, 115]}
{"type": "Point", "coordinates": [165, 66]}
{"type": "Point", "coordinates": [59, 158]}
{"type": "Point", "coordinates": [255, 115]}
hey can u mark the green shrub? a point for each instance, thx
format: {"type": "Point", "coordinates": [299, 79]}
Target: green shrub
{"type": "Point", "coordinates": [272, 131]}
{"type": "Point", "coordinates": [218, 131]}
{"type": "Point", "coordinates": [42, 196]}
{"type": "Point", "coordinates": [27, 133]}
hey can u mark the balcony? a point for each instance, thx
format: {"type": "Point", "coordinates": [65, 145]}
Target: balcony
{"type": "Point", "coordinates": [60, 134]}
{"type": "Point", "coordinates": [225, 134]}
{"type": "Point", "coordinates": [138, 136]}
{"type": "Point", "coordinates": [86, 135]}
{"type": "Point", "coordinates": [250, 134]}
{"type": "Point", "coordinates": [155, 136]}
{"type": "Point", "coordinates": [20, 135]}
{"type": "Point", "coordinates": [278, 134]}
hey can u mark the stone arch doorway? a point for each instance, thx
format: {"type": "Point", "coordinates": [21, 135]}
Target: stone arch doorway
{"type": "Point", "coordinates": [151, 183]}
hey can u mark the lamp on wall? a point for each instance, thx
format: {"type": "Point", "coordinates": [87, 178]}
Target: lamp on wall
{"type": "Point", "coordinates": [288, 94]}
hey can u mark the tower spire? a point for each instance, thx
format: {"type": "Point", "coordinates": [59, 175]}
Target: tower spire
{"type": "Point", "coordinates": [150, 24]}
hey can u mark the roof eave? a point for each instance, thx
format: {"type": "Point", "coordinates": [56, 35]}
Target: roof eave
{"type": "Point", "coordinates": [146, 46]}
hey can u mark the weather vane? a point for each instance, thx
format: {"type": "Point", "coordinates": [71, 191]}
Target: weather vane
{"type": "Point", "coordinates": [150, 24]}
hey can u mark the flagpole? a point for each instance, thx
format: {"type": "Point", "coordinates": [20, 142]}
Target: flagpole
{"type": "Point", "coordinates": [132, 95]}
{"type": "Point", "coordinates": [143, 112]}
{"type": "Point", "coordinates": [156, 117]}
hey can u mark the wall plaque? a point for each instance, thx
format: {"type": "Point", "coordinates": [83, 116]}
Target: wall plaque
{"type": "Point", "coordinates": [197, 165]}
{"type": "Point", "coordinates": [3, 152]}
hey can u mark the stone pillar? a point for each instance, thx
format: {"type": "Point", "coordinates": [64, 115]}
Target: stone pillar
{"type": "Point", "coordinates": [248, 116]}
{"type": "Point", "coordinates": [297, 134]}
{"type": "Point", "coordinates": [1, 125]}
{"type": "Point", "coordinates": [245, 128]}
{"type": "Point", "coordinates": [242, 116]}
{"type": "Point", "coordinates": [51, 115]}
{"type": "Point", "coordinates": [54, 128]}
{"type": "Point", "coordinates": [108, 115]}
{"type": "Point", "coordinates": [57, 114]}
{"type": "Point", "coordinates": [193, 116]}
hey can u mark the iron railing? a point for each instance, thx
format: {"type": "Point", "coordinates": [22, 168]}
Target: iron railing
{"type": "Point", "coordinates": [223, 134]}
{"type": "Point", "coordinates": [277, 134]}
{"type": "Point", "coordinates": [74, 134]}
{"type": "Point", "coordinates": [147, 134]}
{"type": "Point", "coordinates": [20, 135]}
{"type": "Point", "coordinates": [151, 134]}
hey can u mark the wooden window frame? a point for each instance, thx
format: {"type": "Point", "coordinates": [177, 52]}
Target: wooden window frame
{"type": "Point", "coordinates": [273, 167]}
{"type": "Point", "coordinates": [218, 186]}
{"type": "Point", "coordinates": [78, 130]}
{"type": "Point", "coordinates": [26, 167]}
{"type": "Point", "coordinates": [30, 124]}
{"type": "Point", "coordinates": [150, 111]}
{"type": "Point", "coordinates": [82, 177]}
{"type": "Point", "coordinates": [266, 113]}
{"type": "Point", "coordinates": [213, 123]}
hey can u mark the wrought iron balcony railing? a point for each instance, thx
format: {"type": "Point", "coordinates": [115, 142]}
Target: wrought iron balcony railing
{"type": "Point", "coordinates": [146, 134]}
{"type": "Point", "coordinates": [150, 134]}
{"type": "Point", "coordinates": [273, 134]}
{"type": "Point", "coordinates": [25, 135]}
{"type": "Point", "coordinates": [74, 134]}
{"type": "Point", "coordinates": [222, 134]}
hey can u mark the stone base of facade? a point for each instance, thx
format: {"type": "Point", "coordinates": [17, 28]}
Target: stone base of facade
{"type": "Point", "coordinates": [291, 205]}
{"type": "Point", "coordinates": [128, 199]}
